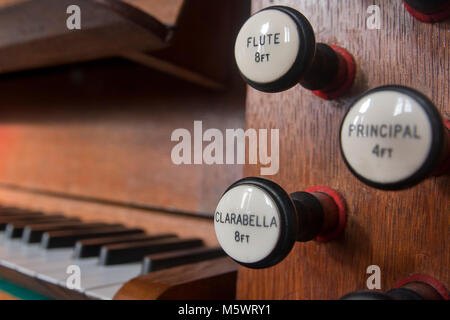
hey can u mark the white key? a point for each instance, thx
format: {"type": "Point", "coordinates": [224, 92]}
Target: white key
{"type": "Point", "coordinates": [14, 251]}
{"type": "Point", "coordinates": [104, 293]}
{"type": "Point", "coordinates": [108, 275]}
{"type": "Point", "coordinates": [9, 247]}
{"type": "Point", "coordinates": [31, 259]}
{"type": "Point", "coordinates": [92, 274]}
{"type": "Point", "coordinates": [51, 265]}
{"type": "Point", "coordinates": [47, 259]}
{"type": "Point", "coordinates": [56, 272]}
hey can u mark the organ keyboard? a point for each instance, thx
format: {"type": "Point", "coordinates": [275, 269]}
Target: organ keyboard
{"type": "Point", "coordinates": [44, 246]}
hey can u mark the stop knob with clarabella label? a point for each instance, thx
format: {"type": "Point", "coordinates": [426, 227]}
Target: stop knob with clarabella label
{"type": "Point", "coordinates": [276, 49]}
{"type": "Point", "coordinates": [257, 222]}
{"type": "Point", "coordinates": [393, 137]}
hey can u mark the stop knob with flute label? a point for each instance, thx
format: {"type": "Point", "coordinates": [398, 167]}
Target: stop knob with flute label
{"type": "Point", "coordinates": [267, 46]}
{"type": "Point", "coordinates": [276, 49]}
{"type": "Point", "coordinates": [392, 137]}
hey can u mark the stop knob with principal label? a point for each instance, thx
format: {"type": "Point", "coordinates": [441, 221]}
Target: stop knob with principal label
{"type": "Point", "coordinates": [257, 222]}
{"type": "Point", "coordinates": [393, 137]}
{"type": "Point", "coordinates": [276, 49]}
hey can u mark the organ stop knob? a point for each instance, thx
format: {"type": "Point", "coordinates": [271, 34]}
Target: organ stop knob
{"type": "Point", "coordinates": [428, 10]}
{"type": "Point", "coordinates": [393, 137]}
{"type": "Point", "coordinates": [413, 287]}
{"type": "Point", "coordinates": [276, 49]}
{"type": "Point", "coordinates": [257, 222]}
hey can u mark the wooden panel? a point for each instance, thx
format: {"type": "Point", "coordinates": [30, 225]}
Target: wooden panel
{"type": "Point", "coordinates": [39, 287]}
{"type": "Point", "coordinates": [198, 54]}
{"type": "Point", "coordinates": [5, 296]}
{"type": "Point", "coordinates": [166, 11]}
{"type": "Point", "coordinates": [402, 232]}
{"type": "Point", "coordinates": [34, 33]}
{"type": "Point", "coordinates": [207, 50]}
{"type": "Point", "coordinates": [208, 280]}
{"type": "Point", "coordinates": [103, 131]}
{"type": "Point", "coordinates": [8, 3]}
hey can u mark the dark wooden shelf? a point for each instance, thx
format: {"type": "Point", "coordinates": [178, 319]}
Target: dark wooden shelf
{"type": "Point", "coordinates": [173, 36]}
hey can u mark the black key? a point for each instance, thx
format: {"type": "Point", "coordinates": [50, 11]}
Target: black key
{"type": "Point", "coordinates": [68, 238]}
{"type": "Point", "coordinates": [15, 229]}
{"type": "Point", "coordinates": [91, 247]}
{"type": "Point", "coordinates": [4, 220]}
{"type": "Point", "coordinates": [33, 234]}
{"type": "Point", "coordinates": [170, 259]}
{"type": "Point", "coordinates": [132, 252]}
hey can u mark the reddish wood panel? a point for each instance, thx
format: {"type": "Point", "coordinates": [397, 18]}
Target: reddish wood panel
{"type": "Point", "coordinates": [7, 3]}
{"type": "Point", "coordinates": [34, 284]}
{"type": "Point", "coordinates": [103, 131]}
{"type": "Point", "coordinates": [402, 232]}
{"type": "Point", "coordinates": [198, 54]}
{"type": "Point", "coordinates": [208, 280]}
{"type": "Point", "coordinates": [166, 11]}
{"type": "Point", "coordinates": [35, 34]}
{"type": "Point", "coordinates": [5, 296]}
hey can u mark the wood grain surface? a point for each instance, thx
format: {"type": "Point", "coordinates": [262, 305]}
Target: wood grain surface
{"type": "Point", "coordinates": [103, 131]}
{"type": "Point", "coordinates": [8, 3]}
{"type": "Point", "coordinates": [38, 286]}
{"type": "Point", "coordinates": [402, 232]}
{"type": "Point", "coordinates": [208, 280]}
{"type": "Point", "coordinates": [198, 54]}
{"type": "Point", "coordinates": [34, 33]}
{"type": "Point", "coordinates": [166, 11]}
{"type": "Point", "coordinates": [5, 296]}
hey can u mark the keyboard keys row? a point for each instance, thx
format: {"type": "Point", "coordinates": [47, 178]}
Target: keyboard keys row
{"type": "Point", "coordinates": [33, 234]}
{"type": "Point", "coordinates": [43, 246]}
{"type": "Point", "coordinates": [15, 229]}
{"type": "Point", "coordinates": [68, 238]}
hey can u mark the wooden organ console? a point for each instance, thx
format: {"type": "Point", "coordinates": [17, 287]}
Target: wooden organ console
{"type": "Point", "coordinates": [87, 135]}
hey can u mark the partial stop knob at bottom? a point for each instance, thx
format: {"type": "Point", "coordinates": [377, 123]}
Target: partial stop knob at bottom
{"type": "Point", "coordinates": [413, 287]}
{"type": "Point", "coordinates": [257, 222]}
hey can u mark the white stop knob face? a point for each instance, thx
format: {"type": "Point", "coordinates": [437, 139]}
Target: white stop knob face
{"type": "Point", "coordinates": [267, 46]}
{"type": "Point", "coordinates": [247, 223]}
{"type": "Point", "coordinates": [386, 137]}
